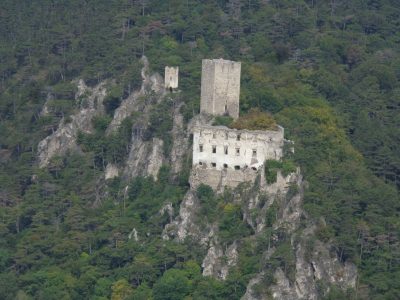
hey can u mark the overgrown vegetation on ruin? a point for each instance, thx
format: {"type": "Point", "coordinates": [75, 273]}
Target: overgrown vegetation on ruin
{"type": "Point", "coordinates": [255, 120]}
{"type": "Point", "coordinates": [328, 71]}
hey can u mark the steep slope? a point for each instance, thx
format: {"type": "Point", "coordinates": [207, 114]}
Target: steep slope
{"type": "Point", "coordinates": [326, 70]}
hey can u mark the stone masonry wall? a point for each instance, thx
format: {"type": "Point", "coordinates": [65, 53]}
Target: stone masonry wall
{"type": "Point", "coordinates": [218, 147]}
{"type": "Point", "coordinates": [220, 87]}
{"type": "Point", "coordinates": [171, 77]}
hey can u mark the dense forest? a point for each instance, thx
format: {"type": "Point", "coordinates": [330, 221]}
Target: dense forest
{"type": "Point", "coordinates": [328, 71]}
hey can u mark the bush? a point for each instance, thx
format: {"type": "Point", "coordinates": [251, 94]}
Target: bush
{"type": "Point", "coordinates": [172, 285]}
{"type": "Point", "coordinates": [100, 123]}
{"type": "Point", "coordinates": [255, 120]}
{"type": "Point", "coordinates": [222, 121]}
{"type": "Point", "coordinates": [271, 170]}
{"type": "Point", "coordinates": [113, 99]}
{"type": "Point", "coordinates": [273, 166]}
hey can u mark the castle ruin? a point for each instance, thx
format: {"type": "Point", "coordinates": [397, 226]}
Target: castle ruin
{"type": "Point", "coordinates": [171, 77]}
{"type": "Point", "coordinates": [219, 147]}
{"type": "Point", "coordinates": [223, 156]}
{"type": "Point", "coordinates": [220, 87]}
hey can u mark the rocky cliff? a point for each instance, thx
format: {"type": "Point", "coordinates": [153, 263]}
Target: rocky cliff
{"type": "Point", "coordinates": [292, 262]}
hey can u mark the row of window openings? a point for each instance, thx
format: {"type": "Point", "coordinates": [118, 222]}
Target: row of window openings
{"type": "Point", "coordinates": [214, 165]}
{"type": "Point", "coordinates": [214, 150]}
{"type": "Point", "coordinates": [214, 135]}
{"type": "Point", "coordinates": [226, 136]}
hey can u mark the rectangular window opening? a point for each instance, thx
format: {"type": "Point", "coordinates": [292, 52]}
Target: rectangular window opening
{"type": "Point", "coordinates": [238, 137]}
{"type": "Point", "coordinates": [254, 153]}
{"type": "Point", "coordinates": [214, 149]}
{"type": "Point", "coordinates": [226, 150]}
{"type": "Point", "coordinates": [237, 151]}
{"type": "Point", "coordinates": [237, 167]}
{"type": "Point", "coordinates": [213, 165]}
{"type": "Point", "coordinates": [201, 148]}
{"type": "Point", "coordinates": [225, 166]}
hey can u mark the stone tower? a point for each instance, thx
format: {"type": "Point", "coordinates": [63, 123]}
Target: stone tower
{"type": "Point", "coordinates": [220, 87]}
{"type": "Point", "coordinates": [171, 77]}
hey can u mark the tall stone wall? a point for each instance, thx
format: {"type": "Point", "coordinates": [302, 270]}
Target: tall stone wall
{"type": "Point", "coordinates": [221, 148]}
{"type": "Point", "coordinates": [220, 87]}
{"type": "Point", "coordinates": [171, 77]}
{"type": "Point", "coordinates": [207, 87]}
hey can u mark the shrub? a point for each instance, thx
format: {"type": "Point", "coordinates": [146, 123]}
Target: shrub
{"type": "Point", "coordinates": [222, 121]}
{"type": "Point", "coordinates": [113, 99]}
{"type": "Point", "coordinates": [273, 166]}
{"type": "Point", "coordinates": [255, 120]}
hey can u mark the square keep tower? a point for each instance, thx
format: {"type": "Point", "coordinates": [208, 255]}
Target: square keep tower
{"type": "Point", "coordinates": [220, 87]}
{"type": "Point", "coordinates": [171, 77]}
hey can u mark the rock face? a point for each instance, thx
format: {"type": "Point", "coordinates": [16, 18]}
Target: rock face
{"type": "Point", "coordinates": [145, 158]}
{"type": "Point", "coordinates": [180, 144]}
{"type": "Point", "coordinates": [321, 266]}
{"type": "Point", "coordinates": [273, 208]}
{"type": "Point", "coordinates": [311, 265]}
{"type": "Point", "coordinates": [184, 224]}
{"type": "Point", "coordinates": [150, 84]}
{"type": "Point", "coordinates": [217, 261]}
{"type": "Point", "coordinates": [64, 138]}
{"type": "Point", "coordinates": [111, 171]}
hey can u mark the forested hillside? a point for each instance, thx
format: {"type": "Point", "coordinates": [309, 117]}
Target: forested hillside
{"type": "Point", "coordinates": [328, 71]}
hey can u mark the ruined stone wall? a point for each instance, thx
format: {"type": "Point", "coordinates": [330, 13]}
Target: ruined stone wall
{"type": "Point", "coordinates": [219, 148]}
{"type": "Point", "coordinates": [219, 179]}
{"type": "Point", "coordinates": [220, 87]}
{"type": "Point", "coordinates": [207, 87]}
{"type": "Point", "coordinates": [171, 77]}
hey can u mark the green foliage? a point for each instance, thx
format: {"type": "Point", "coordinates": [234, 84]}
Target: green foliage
{"type": "Point", "coordinates": [121, 290]}
{"type": "Point", "coordinates": [208, 201]}
{"type": "Point", "coordinates": [112, 148]}
{"type": "Point", "coordinates": [328, 73]}
{"type": "Point", "coordinates": [231, 224]}
{"type": "Point", "coordinates": [172, 285]}
{"type": "Point", "coordinates": [160, 123]}
{"type": "Point", "coordinates": [273, 166]}
{"type": "Point", "coordinates": [143, 291]}
{"type": "Point", "coordinates": [113, 99]}
{"type": "Point", "coordinates": [100, 123]}
{"type": "Point", "coordinates": [222, 121]}
{"type": "Point", "coordinates": [255, 120]}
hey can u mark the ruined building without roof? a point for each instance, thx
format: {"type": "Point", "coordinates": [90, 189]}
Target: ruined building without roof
{"type": "Point", "coordinates": [222, 155]}
{"type": "Point", "coordinates": [219, 147]}
{"type": "Point", "coordinates": [171, 77]}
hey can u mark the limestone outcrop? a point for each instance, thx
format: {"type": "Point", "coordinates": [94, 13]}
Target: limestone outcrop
{"type": "Point", "coordinates": [64, 138]}
{"type": "Point", "coordinates": [145, 158]}
{"type": "Point", "coordinates": [135, 101]}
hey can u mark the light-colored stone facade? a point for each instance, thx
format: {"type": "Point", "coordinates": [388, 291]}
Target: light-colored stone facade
{"type": "Point", "coordinates": [219, 147]}
{"type": "Point", "coordinates": [220, 87]}
{"type": "Point", "coordinates": [171, 77]}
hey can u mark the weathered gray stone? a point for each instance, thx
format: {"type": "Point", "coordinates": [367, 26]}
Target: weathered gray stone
{"type": "Point", "coordinates": [220, 87]}
{"type": "Point", "coordinates": [64, 138]}
{"type": "Point", "coordinates": [111, 171]}
{"type": "Point", "coordinates": [150, 83]}
{"type": "Point", "coordinates": [171, 77]}
{"type": "Point", "coordinates": [219, 147]}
